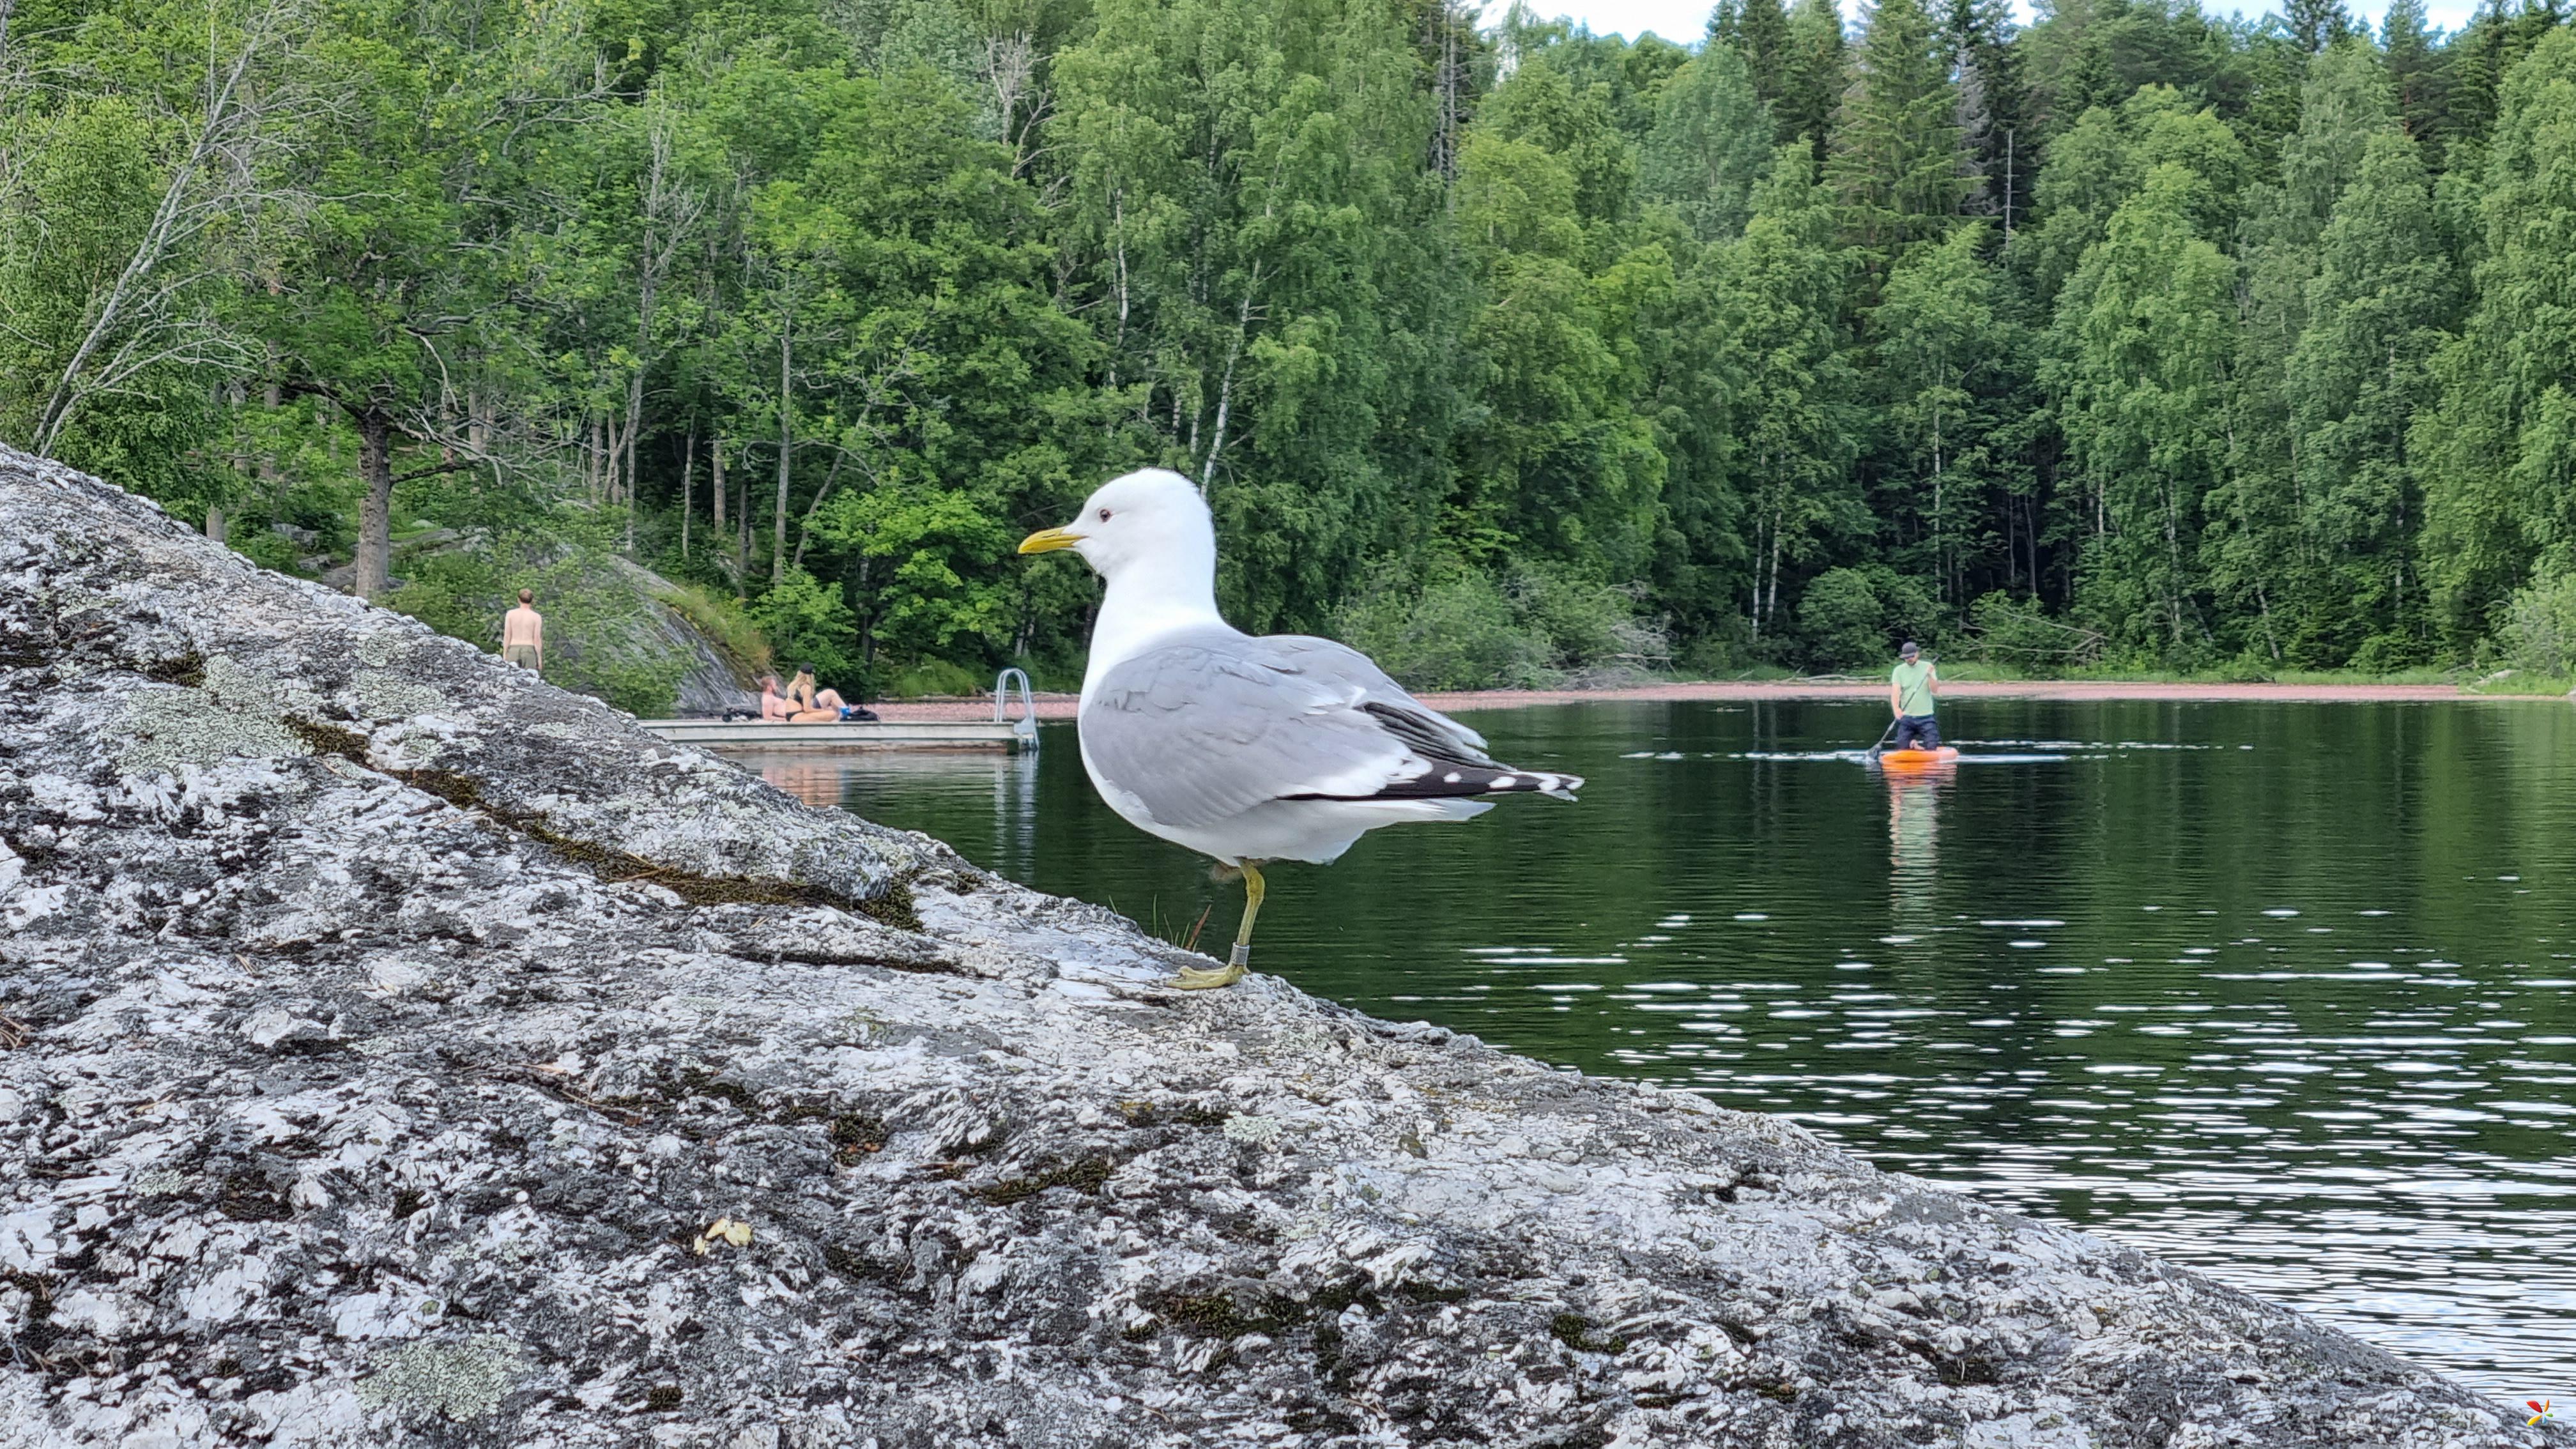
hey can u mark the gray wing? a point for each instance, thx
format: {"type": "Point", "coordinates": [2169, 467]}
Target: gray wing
{"type": "Point", "coordinates": [1214, 722]}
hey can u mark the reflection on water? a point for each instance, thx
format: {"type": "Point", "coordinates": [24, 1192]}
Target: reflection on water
{"type": "Point", "coordinates": [984, 800]}
{"type": "Point", "coordinates": [1914, 845]}
{"type": "Point", "coordinates": [2281, 992]}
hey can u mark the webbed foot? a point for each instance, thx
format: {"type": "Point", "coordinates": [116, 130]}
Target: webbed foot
{"type": "Point", "coordinates": [1194, 979]}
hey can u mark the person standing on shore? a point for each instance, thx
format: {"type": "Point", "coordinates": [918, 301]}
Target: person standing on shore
{"type": "Point", "coordinates": [1912, 691]}
{"type": "Point", "coordinates": [523, 634]}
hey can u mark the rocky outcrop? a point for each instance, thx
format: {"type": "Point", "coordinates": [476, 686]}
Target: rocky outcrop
{"type": "Point", "coordinates": [398, 1050]}
{"type": "Point", "coordinates": [615, 629]}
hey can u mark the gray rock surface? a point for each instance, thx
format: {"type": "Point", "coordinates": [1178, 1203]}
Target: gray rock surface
{"type": "Point", "coordinates": [398, 1051]}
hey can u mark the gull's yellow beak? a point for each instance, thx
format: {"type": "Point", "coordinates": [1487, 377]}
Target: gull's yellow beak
{"type": "Point", "coordinates": [1048, 540]}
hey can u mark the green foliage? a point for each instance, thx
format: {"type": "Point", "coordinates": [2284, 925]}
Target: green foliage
{"type": "Point", "coordinates": [1895, 162]}
{"type": "Point", "coordinates": [2144, 332]}
{"type": "Point", "coordinates": [809, 625]}
{"type": "Point", "coordinates": [2501, 447]}
{"type": "Point", "coordinates": [269, 551]}
{"type": "Point", "coordinates": [1853, 618]}
{"type": "Point", "coordinates": [2540, 626]}
{"type": "Point", "coordinates": [2183, 342]}
{"type": "Point", "coordinates": [937, 677]}
{"type": "Point", "coordinates": [922, 576]}
{"type": "Point", "coordinates": [600, 635]}
{"type": "Point", "coordinates": [1710, 143]}
{"type": "Point", "coordinates": [726, 625]}
{"type": "Point", "coordinates": [1539, 629]}
{"type": "Point", "coordinates": [2020, 634]}
{"type": "Point", "coordinates": [1459, 633]}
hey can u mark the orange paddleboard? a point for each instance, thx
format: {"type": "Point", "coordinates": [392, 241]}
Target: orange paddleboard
{"type": "Point", "coordinates": [1916, 759]}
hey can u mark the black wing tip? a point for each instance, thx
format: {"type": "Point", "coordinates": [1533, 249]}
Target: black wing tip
{"type": "Point", "coordinates": [1450, 781]}
{"type": "Point", "coordinates": [1542, 782]}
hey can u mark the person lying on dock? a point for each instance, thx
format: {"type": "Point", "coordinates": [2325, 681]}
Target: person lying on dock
{"type": "Point", "coordinates": [774, 708]}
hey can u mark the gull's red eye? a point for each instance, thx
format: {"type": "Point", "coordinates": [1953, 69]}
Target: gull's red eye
{"type": "Point", "coordinates": [1104, 515]}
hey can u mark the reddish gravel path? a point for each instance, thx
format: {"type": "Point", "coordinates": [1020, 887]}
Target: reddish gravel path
{"type": "Point", "coordinates": [1061, 706]}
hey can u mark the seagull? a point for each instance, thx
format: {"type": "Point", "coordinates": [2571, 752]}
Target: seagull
{"type": "Point", "coordinates": [1247, 748]}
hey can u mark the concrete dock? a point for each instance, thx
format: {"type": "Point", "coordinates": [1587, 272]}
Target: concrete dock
{"type": "Point", "coordinates": [1019, 734]}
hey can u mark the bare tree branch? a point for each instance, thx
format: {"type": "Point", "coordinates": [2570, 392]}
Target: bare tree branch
{"type": "Point", "coordinates": [148, 314]}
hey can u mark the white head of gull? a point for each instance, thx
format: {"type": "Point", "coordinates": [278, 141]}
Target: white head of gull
{"type": "Point", "coordinates": [1241, 747]}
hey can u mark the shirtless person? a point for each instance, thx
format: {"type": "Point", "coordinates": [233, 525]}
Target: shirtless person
{"type": "Point", "coordinates": [774, 708]}
{"type": "Point", "coordinates": [523, 634]}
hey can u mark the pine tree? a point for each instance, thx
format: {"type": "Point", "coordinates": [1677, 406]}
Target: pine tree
{"type": "Point", "coordinates": [1896, 159]}
{"type": "Point", "coordinates": [2415, 73]}
{"type": "Point", "coordinates": [2316, 24]}
{"type": "Point", "coordinates": [1758, 32]}
{"type": "Point", "coordinates": [1978, 40]}
{"type": "Point", "coordinates": [2474, 64]}
{"type": "Point", "coordinates": [1814, 75]}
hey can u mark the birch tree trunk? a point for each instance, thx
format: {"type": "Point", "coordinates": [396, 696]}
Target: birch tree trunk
{"type": "Point", "coordinates": [375, 512]}
{"type": "Point", "coordinates": [786, 448]}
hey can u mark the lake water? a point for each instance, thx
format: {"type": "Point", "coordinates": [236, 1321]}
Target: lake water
{"type": "Point", "coordinates": [2283, 992]}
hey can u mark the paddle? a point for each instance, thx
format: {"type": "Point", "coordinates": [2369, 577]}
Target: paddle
{"type": "Point", "coordinates": [1882, 740]}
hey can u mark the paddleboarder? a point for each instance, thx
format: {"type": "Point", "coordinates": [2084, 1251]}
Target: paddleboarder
{"type": "Point", "coordinates": [1912, 689]}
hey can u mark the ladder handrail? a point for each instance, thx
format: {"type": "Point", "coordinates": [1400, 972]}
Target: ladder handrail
{"type": "Point", "coordinates": [1026, 725]}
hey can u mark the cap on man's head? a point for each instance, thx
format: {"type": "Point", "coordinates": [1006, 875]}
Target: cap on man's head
{"type": "Point", "coordinates": [1908, 649]}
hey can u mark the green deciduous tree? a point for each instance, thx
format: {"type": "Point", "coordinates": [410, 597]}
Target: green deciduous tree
{"type": "Point", "coordinates": [1796, 419]}
{"type": "Point", "coordinates": [2387, 288]}
{"type": "Point", "coordinates": [2500, 451]}
{"type": "Point", "coordinates": [1939, 342]}
{"type": "Point", "coordinates": [1710, 143]}
{"type": "Point", "coordinates": [2260, 545]}
{"type": "Point", "coordinates": [2144, 336]}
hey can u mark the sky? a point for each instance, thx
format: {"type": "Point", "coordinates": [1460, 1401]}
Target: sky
{"type": "Point", "coordinates": [1686, 20]}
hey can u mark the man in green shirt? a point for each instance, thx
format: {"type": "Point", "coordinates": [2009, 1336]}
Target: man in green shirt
{"type": "Point", "coordinates": [1911, 691]}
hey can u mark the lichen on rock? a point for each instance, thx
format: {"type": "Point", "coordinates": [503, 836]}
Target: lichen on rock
{"type": "Point", "coordinates": [372, 1068]}
{"type": "Point", "coordinates": [463, 1379]}
{"type": "Point", "coordinates": [165, 729]}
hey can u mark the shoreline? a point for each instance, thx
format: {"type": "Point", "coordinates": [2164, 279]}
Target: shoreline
{"type": "Point", "coordinates": [1062, 706]}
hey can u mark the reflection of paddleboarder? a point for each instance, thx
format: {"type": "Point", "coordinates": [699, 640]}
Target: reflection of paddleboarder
{"type": "Point", "coordinates": [1913, 845]}
{"type": "Point", "coordinates": [1912, 691]}
{"type": "Point", "coordinates": [1913, 815]}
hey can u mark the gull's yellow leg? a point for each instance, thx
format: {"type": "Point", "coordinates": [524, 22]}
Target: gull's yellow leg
{"type": "Point", "coordinates": [1240, 960]}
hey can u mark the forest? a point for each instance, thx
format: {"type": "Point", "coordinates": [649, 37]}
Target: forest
{"type": "Point", "coordinates": [2135, 338]}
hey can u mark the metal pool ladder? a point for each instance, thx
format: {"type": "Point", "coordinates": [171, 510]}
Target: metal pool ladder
{"type": "Point", "coordinates": [1024, 728]}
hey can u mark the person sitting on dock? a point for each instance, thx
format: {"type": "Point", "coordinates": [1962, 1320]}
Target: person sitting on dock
{"type": "Point", "coordinates": [1912, 690]}
{"type": "Point", "coordinates": [819, 706]}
